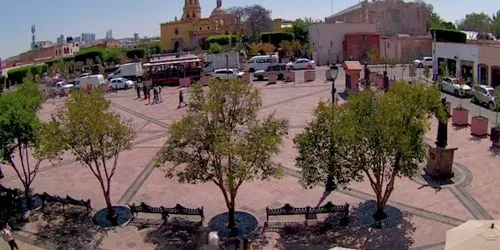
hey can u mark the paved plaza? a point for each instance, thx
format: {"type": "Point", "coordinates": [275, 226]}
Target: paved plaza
{"type": "Point", "coordinates": [428, 210]}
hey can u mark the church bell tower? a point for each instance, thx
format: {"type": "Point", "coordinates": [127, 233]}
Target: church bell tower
{"type": "Point", "coordinates": [192, 10]}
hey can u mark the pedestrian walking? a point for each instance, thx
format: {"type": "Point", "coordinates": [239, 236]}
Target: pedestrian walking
{"type": "Point", "coordinates": [6, 233]}
{"type": "Point", "coordinates": [148, 93]}
{"type": "Point", "coordinates": [155, 94]}
{"type": "Point", "coordinates": [145, 90]}
{"type": "Point", "coordinates": [181, 99]}
{"type": "Point", "coordinates": [138, 89]}
{"type": "Point", "coordinates": [160, 95]}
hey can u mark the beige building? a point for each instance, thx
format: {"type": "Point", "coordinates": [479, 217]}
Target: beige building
{"type": "Point", "coordinates": [391, 17]}
{"type": "Point", "coordinates": [327, 39]}
{"type": "Point", "coordinates": [489, 62]}
{"type": "Point", "coordinates": [190, 32]}
{"type": "Point", "coordinates": [404, 48]}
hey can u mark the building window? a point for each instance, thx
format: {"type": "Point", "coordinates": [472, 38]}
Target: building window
{"type": "Point", "coordinates": [208, 27]}
{"type": "Point", "coordinates": [187, 15]}
{"type": "Point", "coordinates": [201, 28]}
{"type": "Point", "coordinates": [176, 31]}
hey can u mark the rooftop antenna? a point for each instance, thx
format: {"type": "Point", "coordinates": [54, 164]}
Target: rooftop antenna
{"type": "Point", "coordinates": [33, 36]}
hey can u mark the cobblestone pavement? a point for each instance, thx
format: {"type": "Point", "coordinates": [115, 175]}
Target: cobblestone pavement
{"type": "Point", "coordinates": [428, 211]}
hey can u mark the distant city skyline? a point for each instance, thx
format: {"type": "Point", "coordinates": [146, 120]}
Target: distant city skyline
{"type": "Point", "coordinates": [128, 17]}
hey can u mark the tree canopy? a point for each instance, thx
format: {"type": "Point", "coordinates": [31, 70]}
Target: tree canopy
{"type": "Point", "coordinates": [94, 134]}
{"type": "Point", "coordinates": [21, 133]}
{"type": "Point", "coordinates": [366, 140]}
{"type": "Point", "coordinates": [479, 22]}
{"type": "Point", "coordinates": [221, 140]}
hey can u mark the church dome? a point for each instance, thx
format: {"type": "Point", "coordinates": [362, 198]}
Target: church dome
{"type": "Point", "coordinates": [218, 11]}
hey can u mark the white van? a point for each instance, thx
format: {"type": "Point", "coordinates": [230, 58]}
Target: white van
{"type": "Point", "coordinates": [94, 80]}
{"type": "Point", "coordinates": [260, 62]}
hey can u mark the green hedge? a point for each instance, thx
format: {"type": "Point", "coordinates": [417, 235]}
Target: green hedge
{"type": "Point", "coordinates": [17, 75]}
{"type": "Point", "coordinates": [275, 38]}
{"type": "Point", "coordinates": [91, 54]}
{"type": "Point", "coordinates": [132, 53]}
{"type": "Point", "coordinates": [222, 40]}
{"type": "Point", "coordinates": [447, 35]}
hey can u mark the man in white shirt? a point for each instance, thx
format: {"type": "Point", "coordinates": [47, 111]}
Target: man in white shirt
{"type": "Point", "coordinates": [7, 235]}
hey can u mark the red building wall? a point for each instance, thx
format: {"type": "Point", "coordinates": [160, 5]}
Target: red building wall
{"type": "Point", "coordinates": [362, 47]}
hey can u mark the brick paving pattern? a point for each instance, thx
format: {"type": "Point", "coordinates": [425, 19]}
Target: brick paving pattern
{"type": "Point", "coordinates": [428, 212]}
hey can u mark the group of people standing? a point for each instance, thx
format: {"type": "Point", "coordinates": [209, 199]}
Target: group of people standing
{"type": "Point", "coordinates": [157, 94]}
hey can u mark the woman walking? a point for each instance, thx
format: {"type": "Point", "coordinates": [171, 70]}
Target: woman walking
{"type": "Point", "coordinates": [6, 233]}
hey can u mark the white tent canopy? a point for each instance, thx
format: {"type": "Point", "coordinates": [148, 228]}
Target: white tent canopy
{"type": "Point", "coordinates": [474, 234]}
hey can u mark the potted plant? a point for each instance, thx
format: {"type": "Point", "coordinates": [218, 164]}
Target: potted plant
{"type": "Point", "coordinates": [479, 123]}
{"type": "Point", "coordinates": [460, 115]}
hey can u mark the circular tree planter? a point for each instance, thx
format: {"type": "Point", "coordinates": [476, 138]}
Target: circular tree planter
{"type": "Point", "coordinates": [246, 224]}
{"type": "Point", "coordinates": [365, 216]}
{"type": "Point", "coordinates": [102, 219]}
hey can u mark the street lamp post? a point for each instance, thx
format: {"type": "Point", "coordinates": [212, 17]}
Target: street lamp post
{"type": "Point", "coordinates": [334, 71]}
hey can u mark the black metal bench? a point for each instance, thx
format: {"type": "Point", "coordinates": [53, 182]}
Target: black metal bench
{"type": "Point", "coordinates": [310, 213]}
{"type": "Point", "coordinates": [145, 208]}
{"type": "Point", "coordinates": [166, 212]}
{"type": "Point", "coordinates": [47, 198]}
{"type": "Point", "coordinates": [180, 210]}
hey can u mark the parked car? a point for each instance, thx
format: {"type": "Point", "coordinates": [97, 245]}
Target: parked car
{"type": "Point", "coordinates": [94, 80]}
{"type": "Point", "coordinates": [451, 85]}
{"type": "Point", "coordinates": [227, 74]}
{"type": "Point", "coordinates": [121, 83]}
{"type": "Point", "coordinates": [484, 95]}
{"type": "Point", "coordinates": [261, 75]}
{"type": "Point", "coordinates": [301, 63]}
{"type": "Point", "coordinates": [424, 62]}
{"type": "Point", "coordinates": [260, 62]}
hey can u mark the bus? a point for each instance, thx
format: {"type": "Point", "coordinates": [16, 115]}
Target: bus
{"type": "Point", "coordinates": [167, 70]}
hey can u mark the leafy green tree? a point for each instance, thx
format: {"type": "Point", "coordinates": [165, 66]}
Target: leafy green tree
{"type": "Point", "coordinates": [496, 27]}
{"type": "Point", "coordinates": [321, 150]}
{"type": "Point", "coordinates": [368, 140]}
{"type": "Point", "coordinates": [435, 20]}
{"type": "Point", "coordinates": [216, 48]}
{"type": "Point", "coordinates": [113, 55]}
{"type": "Point", "coordinates": [95, 135]}
{"type": "Point", "coordinates": [21, 134]}
{"type": "Point", "coordinates": [221, 140]}
{"type": "Point", "coordinates": [479, 22]}
{"type": "Point", "coordinates": [300, 29]}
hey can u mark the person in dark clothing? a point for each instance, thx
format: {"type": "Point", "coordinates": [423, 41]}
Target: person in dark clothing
{"type": "Point", "coordinates": [145, 90]}
{"type": "Point", "coordinates": [155, 95]}
{"type": "Point", "coordinates": [367, 75]}
{"type": "Point", "coordinates": [181, 99]}
{"type": "Point", "coordinates": [386, 82]}
{"type": "Point", "coordinates": [138, 88]}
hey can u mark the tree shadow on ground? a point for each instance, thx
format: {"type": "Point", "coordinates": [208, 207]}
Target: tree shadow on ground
{"type": "Point", "coordinates": [176, 234]}
{"type": "Point", "coordinates": [356, 235]}
{"type": "Point", "coordinates": [68, 228]}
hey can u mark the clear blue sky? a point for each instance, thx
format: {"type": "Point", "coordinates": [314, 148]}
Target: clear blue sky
{"type": "Point", "coordinates": [70, 18]}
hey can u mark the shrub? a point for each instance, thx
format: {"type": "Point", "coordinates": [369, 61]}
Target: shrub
{"type": "Point", "coordinates": [91, 53]}
{"type": "Point", "coordinates": [222, 40]}
{"type": "Point", "coordinates": [275, 38]}
{"type": "Point", "coordinates": [132, 53]}
{"type": "Point", "coordinates": [215, 48]}
{"type": "Point", "coordinates": [17, 75]}
{"type": "Point", "coordinates": [446, 35]}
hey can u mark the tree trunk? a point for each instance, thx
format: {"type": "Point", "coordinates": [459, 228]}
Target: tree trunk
{"type": "Point", "coordinates": [330, 184]}
{"type": "Point", "coordinates": [232, 220]}
{"type": "Point", "coordinates": [112, 216]}
{"type": "Point", "coordinates": [27, 197]}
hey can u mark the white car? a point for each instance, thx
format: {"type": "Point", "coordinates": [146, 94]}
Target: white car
{"type": "Point", "coordinates": [484, 95]}
{"type": "Point", "coordinates": [301, 63]}
{"type": "Point", "coordinates": [121, 83]}
{"type": "Point", "coordinates": [451, 85]}
{"type": "Point", "coordinates": [424, 62]}
{"type": "Point", "coordinates": [227, 74]}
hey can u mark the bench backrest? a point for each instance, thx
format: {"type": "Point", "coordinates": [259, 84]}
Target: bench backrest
{"type": "Point", "coordinates": [287, 209]}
